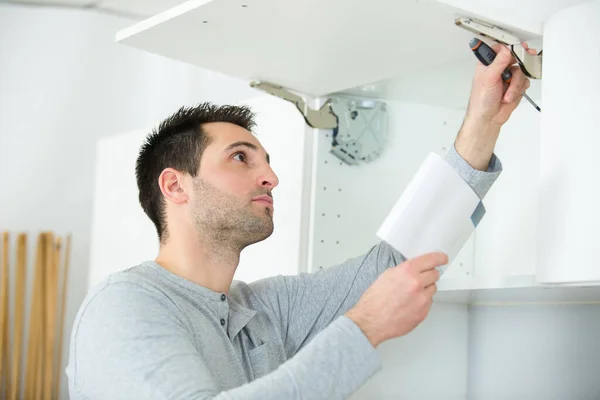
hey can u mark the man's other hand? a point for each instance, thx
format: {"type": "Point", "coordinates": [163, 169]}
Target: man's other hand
{"type": "Point", "coordinates": [399, 299]}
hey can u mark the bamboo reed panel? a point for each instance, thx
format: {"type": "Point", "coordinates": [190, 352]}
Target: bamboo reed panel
{"type": "Point", "coordinates": [35, 325]}
{"type": "Point", "coordinates": [63, 302]}
{"type": "Point", "coordinates": [29, 387]}
{"type": "Point", "coordinates": [4, 296]}
{"type": "Point", "coordinates": [38, 364]}
{"type": "Point", "coordinates": [41, 336]}
{"type": "Point", "coordinates": [51, 303]}
{"type": "Point", "coordinates": [19, 317]}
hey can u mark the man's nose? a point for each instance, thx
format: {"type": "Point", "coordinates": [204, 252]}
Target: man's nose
{"type": "Point", "coordinates": [268, 178]}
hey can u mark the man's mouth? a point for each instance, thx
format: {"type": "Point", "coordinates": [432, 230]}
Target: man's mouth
{"type": "Point", "coordinates": [267, 200]}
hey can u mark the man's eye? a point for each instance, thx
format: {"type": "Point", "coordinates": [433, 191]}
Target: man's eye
{"type": "Point", "coordinates": [240, 157]}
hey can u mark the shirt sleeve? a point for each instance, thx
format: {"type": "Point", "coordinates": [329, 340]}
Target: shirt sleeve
{"type": "Point", "coordinates": [305, 304]}
{"type": "Point", "coordinates": [129, 344]}
{"type": "Point", "coordinates": [480, 181]}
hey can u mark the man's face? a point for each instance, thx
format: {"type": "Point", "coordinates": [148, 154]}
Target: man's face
{"type": "Point", "coordinates": [232, 191]}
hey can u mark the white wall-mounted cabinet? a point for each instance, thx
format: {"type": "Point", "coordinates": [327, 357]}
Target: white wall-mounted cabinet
{"type": "Point", "coordinates": [413, 57]}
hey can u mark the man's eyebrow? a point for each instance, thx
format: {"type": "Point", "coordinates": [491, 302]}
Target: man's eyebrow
{"type": "Point", "coordinates": [246, 144]}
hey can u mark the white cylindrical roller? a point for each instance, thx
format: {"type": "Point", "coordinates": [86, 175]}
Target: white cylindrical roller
{"type": "Point", "coordinates": [569, 213]}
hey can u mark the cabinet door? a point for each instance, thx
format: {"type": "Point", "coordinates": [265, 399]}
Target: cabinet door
{"type": "Point", "coordinates": [506, 237]}
{"type": "Point", "coordinates": [569, 192]}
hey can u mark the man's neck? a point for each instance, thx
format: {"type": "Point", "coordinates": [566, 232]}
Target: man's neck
{"type": "Point", "coordinates": [210, 265]}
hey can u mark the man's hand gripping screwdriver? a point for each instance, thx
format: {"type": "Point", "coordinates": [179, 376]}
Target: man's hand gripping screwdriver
{"type": "Point", "coordinates": [486, 55]}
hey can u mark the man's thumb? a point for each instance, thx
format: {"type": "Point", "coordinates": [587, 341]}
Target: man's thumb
{"type": "Point", "coordinates": [503, 60]}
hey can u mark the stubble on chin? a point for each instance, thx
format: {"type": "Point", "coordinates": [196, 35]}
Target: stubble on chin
{"type": "Point", "coordinates": [227, 220]}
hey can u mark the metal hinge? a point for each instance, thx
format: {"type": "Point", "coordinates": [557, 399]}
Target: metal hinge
{"type": "Point", "coordinates": [359, 125]}
{"type": "Point", "coordinates": [530, 64]}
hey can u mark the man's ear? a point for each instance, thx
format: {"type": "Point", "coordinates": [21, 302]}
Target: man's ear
{"type": "Point", "coordinates": [171, 185]}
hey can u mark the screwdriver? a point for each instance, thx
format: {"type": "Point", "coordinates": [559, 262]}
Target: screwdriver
{"type": "Point", "coordinates": [486, 55]}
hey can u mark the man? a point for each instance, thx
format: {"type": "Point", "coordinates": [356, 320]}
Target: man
{"type": "Point", "coordinates": [178, 328]}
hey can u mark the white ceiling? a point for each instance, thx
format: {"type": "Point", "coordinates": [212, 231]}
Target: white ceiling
{"type": "Point", "coordinates": [529, 10]}
{"type": "Point", "coordinates": [134, 8]}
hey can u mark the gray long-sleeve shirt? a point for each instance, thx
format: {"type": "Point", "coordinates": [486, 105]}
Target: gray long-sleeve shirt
{"type": "Point", "coordinates": [145, 333]}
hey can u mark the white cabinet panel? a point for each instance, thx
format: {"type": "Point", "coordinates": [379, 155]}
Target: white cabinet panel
{"type": "Point", "coordinates": [319, 47]}
{"type": "Point", "coordinates": [351, 202]}
{"type": "Point", "coordinates": [312, 46]}
{"type": "Point", "coordinates": [507, 235]}
{"type": "Point", "coordinates": [569, 223]}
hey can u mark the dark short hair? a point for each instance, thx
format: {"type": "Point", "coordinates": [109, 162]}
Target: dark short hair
{"type": "Point", "coordinates": [178, 142]}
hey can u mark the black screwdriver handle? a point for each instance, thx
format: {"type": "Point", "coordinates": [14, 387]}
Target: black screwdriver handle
{"type": "Point", "coordinates": [486, 55]}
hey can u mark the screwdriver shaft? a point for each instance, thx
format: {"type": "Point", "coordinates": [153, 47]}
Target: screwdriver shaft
{"type": "Point", "coordinates": [532, 102]}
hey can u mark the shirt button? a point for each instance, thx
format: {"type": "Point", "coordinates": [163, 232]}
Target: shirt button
{"type": "Point", "coordinates": [222, 322]}
{"type": "Point", "coordinates": [223, 297]}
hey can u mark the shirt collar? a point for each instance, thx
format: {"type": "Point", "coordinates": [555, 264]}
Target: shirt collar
{"type": "Point", "coordinates": [189, 285]}
{"type": "Point", "coordinates": [240, 315]}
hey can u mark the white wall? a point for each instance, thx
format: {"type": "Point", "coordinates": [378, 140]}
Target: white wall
{"type": "Point", "coordinates": [116, 209]}
{"type": "Point", "coordinates": [63, 85]}
{"type": "Point", "coordinates": [429, 363]}
{"type": "Point", "coordinates": [532, 352]}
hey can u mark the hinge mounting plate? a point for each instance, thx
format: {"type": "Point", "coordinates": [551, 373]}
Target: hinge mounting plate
{"type": "Point", "coordinates": [361, 135]}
